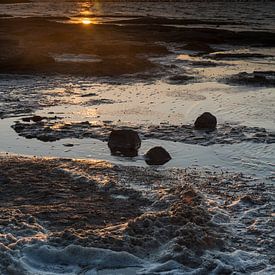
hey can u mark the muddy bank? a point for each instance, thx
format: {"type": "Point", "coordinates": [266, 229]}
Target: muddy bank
{"type": "Point", "coordinates": [29, 45]}
{"type": "Point", "coordinates": [25, 94]}
{"type": "Point", "coordinates": [256, 78]}
{"type": "Point", "coordinates": [153, 214]}
{"type": "Point", "coordinates": [48, 129]}
{"type": "Point", "coordinates": [64, 198]}
{"type": "Point", "coordinates": [147, 20]}
{"type": "Point", "coordinates": [232, 56]}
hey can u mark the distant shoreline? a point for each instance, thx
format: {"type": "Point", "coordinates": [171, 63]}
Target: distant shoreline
{"type": "Point", "coordinates": [14, 1]}
{"type": "Point", "coordinates": [28, 1]}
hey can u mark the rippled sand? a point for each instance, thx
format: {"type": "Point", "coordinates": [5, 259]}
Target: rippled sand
{"type": "Point", "coordinates": [174, 220]}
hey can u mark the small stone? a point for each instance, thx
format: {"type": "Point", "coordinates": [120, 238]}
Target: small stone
{"type": "Point", "coordinates": [157, 156]}
{"type": "Point", "coordinates": [124, 142]}
{"type": "Point", "coordinates": [68, 145]}
{"type": "Point", "coordinates": [206, 121]}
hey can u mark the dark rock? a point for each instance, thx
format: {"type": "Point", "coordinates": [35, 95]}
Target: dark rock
{"type": "Point", "coordinates": [47, 138]}
{"type": "Point", "coordinates": [179, 79]}
{"type": "Point", "coordinates": [206, 121]}
{"type": "Point", "coordinates": [157, 156]}
{"type": "Point", "coordinates": [18, 127]}
{"type": "Point", "coordinates": [26, 119]}
{"type": "Point", "coordinates": [33, 118]}
{"type": "Point", "coordinates": [198, 46]}
{"type": "Point", "coordinates": [37, 118]}
{"type": "Point", "coordinates": [68, 145]}
{"type": "Point", "coordinates": [230, 56]}
{"type": "Point", "coordinates": [124, 142]}
{"type": "Point", "coordinates": [257, 78]}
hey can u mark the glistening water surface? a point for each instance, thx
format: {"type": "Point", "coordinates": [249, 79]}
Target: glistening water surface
{"type": "Point", "coordinates": [236, 14]}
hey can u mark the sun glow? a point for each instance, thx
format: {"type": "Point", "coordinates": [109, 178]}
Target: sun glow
{"type": "Point", "coordinates": [86, 21]}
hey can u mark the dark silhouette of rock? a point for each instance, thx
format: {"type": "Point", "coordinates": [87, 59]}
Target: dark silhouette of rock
{"type": "Point", "coordinates": [198, 46]}
{"type": "Point", "coordinates": [257, 78]}
{"type": "Point", "coordinates": [157, 156]}
{"type": "Point", "coordinates": [179, 79]}
{"type": "Point", "coordinates": [206, 121]}
{"type": "Point", "coordinates": [46, 138]}
{"type": "Point", "coordinates": [33, 118]}
{"type": "Point", "coordinates": [124, 142]}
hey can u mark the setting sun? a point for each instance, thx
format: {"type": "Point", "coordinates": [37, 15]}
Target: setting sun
{"type": "Point", "coordinates": [86, 21]}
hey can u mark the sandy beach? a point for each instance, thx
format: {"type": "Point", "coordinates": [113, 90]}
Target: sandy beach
{"type": "Point", "coordinates": [181, 219]}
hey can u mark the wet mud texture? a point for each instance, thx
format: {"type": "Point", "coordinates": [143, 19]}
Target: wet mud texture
{"type": "Point", "coordinates": [20, 95]}
{"type": "Point", "coordinates": [51, 130]}
{"type": "Point", "coordinates": [85, 197]}
{"type": "Point", "coordinates": [29, 44]}
{"type": "Point", "coordinates": [256, 78]}
{"type": "Point", "coordinates": [150, 213]}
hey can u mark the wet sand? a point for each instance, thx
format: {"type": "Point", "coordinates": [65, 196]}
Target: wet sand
{"type": "Point", "coordinates": [174, 215]}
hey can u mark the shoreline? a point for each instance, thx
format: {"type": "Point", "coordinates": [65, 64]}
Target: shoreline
{"type": "Point", "coordinates": [135, 209]}
{"type": "Point", "coordinates": [38, 45]}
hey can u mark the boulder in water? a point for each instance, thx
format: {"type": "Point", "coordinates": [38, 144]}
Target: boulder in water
{"type": "Point", "coordinates": [157, 156]}
{"type": "Point", "coordinates": [206, 121]}
{"type": "Point", "coordinates": [124, 142]}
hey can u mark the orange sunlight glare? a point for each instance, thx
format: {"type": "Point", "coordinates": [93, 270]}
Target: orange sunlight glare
{"type": "Point", "coordinates": [86, 21]}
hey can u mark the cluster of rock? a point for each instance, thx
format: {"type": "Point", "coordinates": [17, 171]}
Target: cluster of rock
{"type": "Point", "coordinates": [48, 129]}
{"type": "Point", "coordinates": [126, 142]}
{"type": "Point", "coordinates": [122, 141]}
{"type": "Point", "coordinates": [256, 78]}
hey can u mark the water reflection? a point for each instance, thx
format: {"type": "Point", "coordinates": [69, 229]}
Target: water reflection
{"type": "Point", "coordinates": [83, 20]}
{"type": "Point", "coordinates": [89, 8]}
{"type": "Point", "coordinates": [86, 10]}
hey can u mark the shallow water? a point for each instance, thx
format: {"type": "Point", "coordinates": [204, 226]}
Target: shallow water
{"type": "Point", "coordinates": [158, 102]}
{"type": "Point", "coordinates": [237, 15]}
{"type": "Point", "coordinates": [250, 158]}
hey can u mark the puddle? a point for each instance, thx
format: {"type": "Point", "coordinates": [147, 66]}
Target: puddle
{"type": "Point", "coordinates": [76, 58]}
{"type": "Point", "coordinates": [253, 159]}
